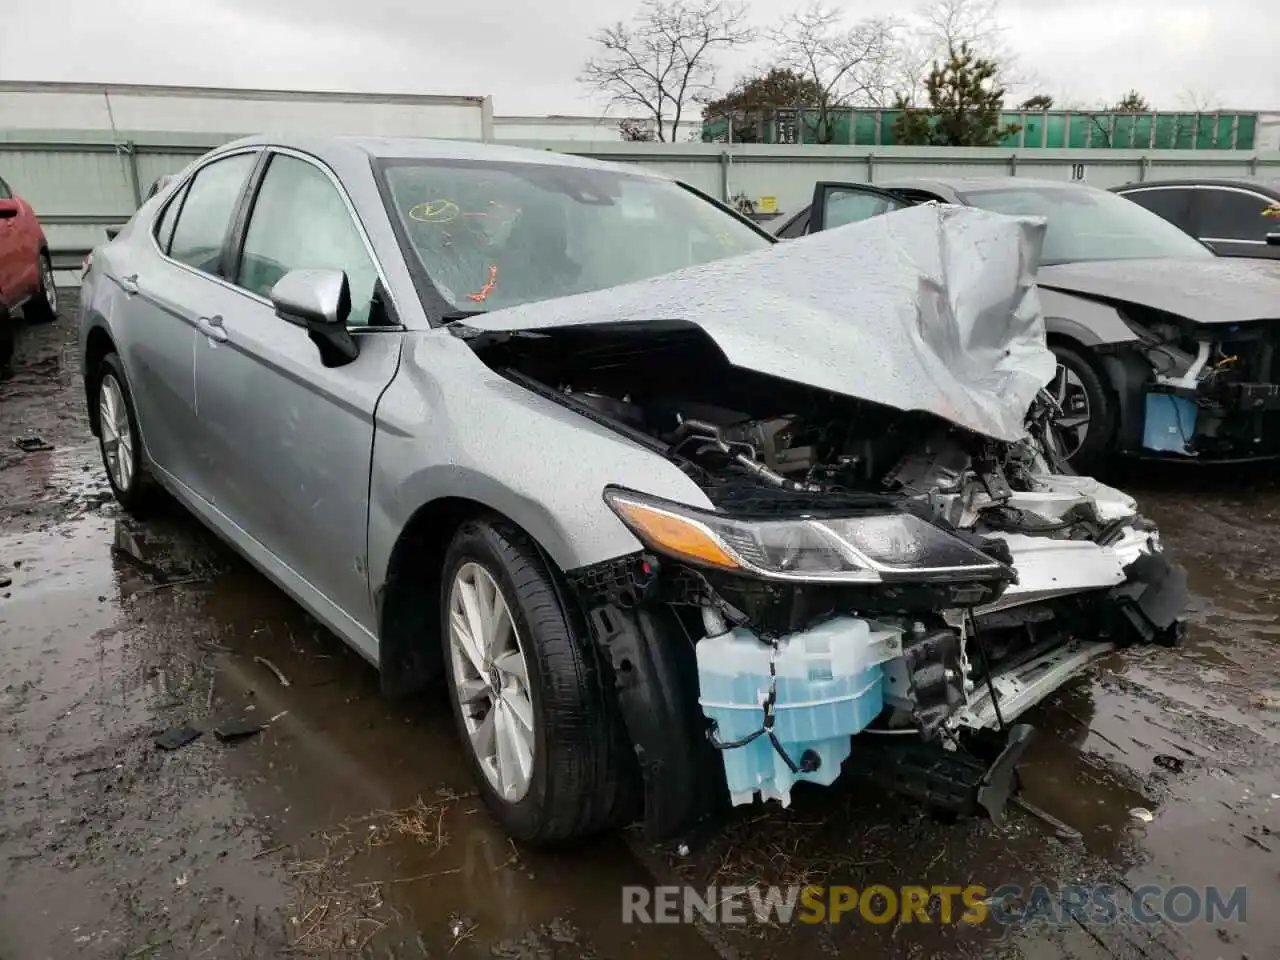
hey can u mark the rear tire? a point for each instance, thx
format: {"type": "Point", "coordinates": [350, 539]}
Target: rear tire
{"type": "Point", "coordinates": [43, 307]}
{"type": "Point", "coordinates": [1096, 446]}
{"type": "Point", "coordinates": [571, 788]}
{"type": "Point", "coordinates": [120, 441]}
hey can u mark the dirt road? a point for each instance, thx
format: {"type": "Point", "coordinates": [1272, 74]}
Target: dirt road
{"type": "Point", "coordinates": [347, 826]}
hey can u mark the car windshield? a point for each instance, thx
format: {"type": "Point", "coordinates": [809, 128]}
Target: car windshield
{"type": "Point", "coordinates": [491, 235]}
{"type": "Point", "coordinates": [1089, 224]}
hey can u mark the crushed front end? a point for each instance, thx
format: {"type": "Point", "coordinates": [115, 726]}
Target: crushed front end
{"type": "Point", "coordinates": [1204, 391]}
{"type": "Point", "coordinates": [874, 591]}
{"type": "Point", "coordinates": [886, 566]}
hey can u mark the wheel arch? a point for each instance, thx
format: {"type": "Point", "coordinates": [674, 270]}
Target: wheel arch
{"type": "Point", "coordinates": [408, 601]}
{"type": "Point", "coordinates": [97, 345]}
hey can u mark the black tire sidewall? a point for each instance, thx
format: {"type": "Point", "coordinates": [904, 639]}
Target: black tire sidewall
{"type": "Point", "coordinates": [1097, 445]}
{"type": "Point", "coordinates": [479, 542]}
{"type": "Point", "coordinates": [133, 499]}
{"type": "Point", "coordinates": [37, 309]}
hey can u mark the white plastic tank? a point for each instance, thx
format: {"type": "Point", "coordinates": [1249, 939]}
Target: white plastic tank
{"type": "Point", "coordinates": [829, 687]}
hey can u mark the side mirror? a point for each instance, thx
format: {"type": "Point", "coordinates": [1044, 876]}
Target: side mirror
{"type": "Point", "coordinates": [8, 209]}
{"type": "Point", "coordinates": [320, 302]}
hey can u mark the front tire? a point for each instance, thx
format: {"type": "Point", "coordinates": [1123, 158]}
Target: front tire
{"type": "Point", "coordinates": [43, 307]}
{"type": "Point", "coordinates": [119, 440]}
{"type": "Point", "coordinates": [1087, 427]}
{"type": "Point", "coordinates": [528, 694]}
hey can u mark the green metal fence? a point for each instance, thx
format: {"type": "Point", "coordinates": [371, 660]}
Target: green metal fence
{"type": "Point", "coordinates": [1054, 129]}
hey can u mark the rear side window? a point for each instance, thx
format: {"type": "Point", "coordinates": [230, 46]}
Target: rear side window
{"type": "Point", "coordinates": [1233, 215]}
{"type": "Point", "coordinates": [207, 210]}
{"type": "Point", "coordinates": [1172, 203]}
{"type": "Point", "coordinates": [300, 221]}
{"type": "Point", "coordinates": [5, 192]}
{"type": "Point", "coordinates": [164, 229]}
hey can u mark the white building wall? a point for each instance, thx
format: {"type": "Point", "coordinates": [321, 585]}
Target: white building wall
{"type": "Point", "coordinates": [1267, 136]}
{"type": "Point", "coordinates": [563, 129]}
{"type": "Point", "coordinates": [54, 106]}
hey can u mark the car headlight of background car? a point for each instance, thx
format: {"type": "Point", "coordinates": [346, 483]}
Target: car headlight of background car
{"type": "Point", "coordinates": [872, 548]}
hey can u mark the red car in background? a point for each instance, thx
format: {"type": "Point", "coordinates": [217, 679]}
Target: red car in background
{"type": "Point", "coordinates": [26, 270]}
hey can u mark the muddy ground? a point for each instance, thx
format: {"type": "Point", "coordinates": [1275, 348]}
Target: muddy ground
{"type": "Point", "coordinates": [347, 827]}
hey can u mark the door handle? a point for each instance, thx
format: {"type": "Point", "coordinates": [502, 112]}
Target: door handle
{"type": "Point", "coordinates": [212, 328]}
{"type": "Point", "coordinates": [129, 284]}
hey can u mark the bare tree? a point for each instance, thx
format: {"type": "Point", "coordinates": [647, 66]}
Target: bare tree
{"type": "Point", "coordinates": [635, 131]}
{"type": "Point", "coordinates": [1199, 100]}
{"type": "Point", "coordinates": [1196, 131]}
{"type": "Point", "coordinates": [663, 60]}
{"type": "Point", "coordinates": [940, 27]}
{"type": "Point", "coordinates": [846, 65]}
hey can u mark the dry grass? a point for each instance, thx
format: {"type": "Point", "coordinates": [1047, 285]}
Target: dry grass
{"type": "Point", "coordinates": [334, 913]}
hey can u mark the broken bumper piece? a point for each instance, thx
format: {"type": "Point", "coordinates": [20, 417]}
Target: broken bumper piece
{"type": "Point", "coordinates": [787, 711]}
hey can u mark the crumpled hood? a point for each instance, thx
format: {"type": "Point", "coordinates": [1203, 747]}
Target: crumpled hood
{"type": "Point", "coordinates": [1212, 290]}
{"type": "Point", "coordinates": [933, 308]}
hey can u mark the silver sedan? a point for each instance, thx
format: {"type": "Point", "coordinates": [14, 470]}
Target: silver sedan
{"type": "Point", "coordinates": [670, 515]}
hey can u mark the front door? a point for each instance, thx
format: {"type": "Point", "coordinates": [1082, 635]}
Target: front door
{"type": "Point", "coordinates": [838, 204]}
{"type": "Point", "coordinates": [290, 440]}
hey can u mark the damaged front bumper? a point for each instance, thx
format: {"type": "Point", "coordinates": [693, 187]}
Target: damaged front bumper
{"type": "Point", "coordinates": [926, 704]}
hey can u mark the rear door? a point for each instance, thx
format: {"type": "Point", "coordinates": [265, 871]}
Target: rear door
{"type": "Point", "coordinates": [838, 204]}
{"type": "Point", "coordinates": [289, 439]}
{"type": "Point", "coordinates": [1234, 221]}
{"type": "Point", "coordinates": [165, 281]}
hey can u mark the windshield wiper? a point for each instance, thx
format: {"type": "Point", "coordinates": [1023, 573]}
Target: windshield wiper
{"type": "Point", "coordinates": [456, 315]}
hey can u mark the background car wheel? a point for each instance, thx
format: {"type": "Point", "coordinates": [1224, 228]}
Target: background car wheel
{"type": "Point", "coordinates": [6, 340]}
{"type": "Point", "coordinates": [43, 306]}
{"type": "Point", "coordinates": [119, 440]}
{"type": "Point", "coordinates": [1087, 424]}
{"type": "Point", "coordinates": [528, 693]}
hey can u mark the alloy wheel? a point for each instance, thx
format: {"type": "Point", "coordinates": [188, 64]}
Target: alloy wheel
{"type": "Point", "coordinates": [491, 678]}
{"type": "Point", "coordinates": [117, 438]}
{"type": "Point", "coordinates": [1072, 418]}
{"type": "Point", "coordinates": [50, 289]}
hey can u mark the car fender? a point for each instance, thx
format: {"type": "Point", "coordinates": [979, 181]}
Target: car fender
{"type": "Point", "coordinates": [448, 426]}
{"type": "Point", "coordinates": [1091, 323]}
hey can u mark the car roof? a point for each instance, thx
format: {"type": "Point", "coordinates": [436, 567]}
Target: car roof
{"type": "Point", "coordinates": [954, 185]}
{"type": "Point", "coordinates": [1265, 186]}
{"type": "Point", "coordinates": [419, 148]}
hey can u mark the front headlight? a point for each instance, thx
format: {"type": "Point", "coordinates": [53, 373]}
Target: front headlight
{"type": "Point", "coordinates": [863, 549]}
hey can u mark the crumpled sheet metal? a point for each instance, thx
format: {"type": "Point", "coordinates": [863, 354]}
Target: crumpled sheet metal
{"type": "Point", "coordinates": [932, 308]}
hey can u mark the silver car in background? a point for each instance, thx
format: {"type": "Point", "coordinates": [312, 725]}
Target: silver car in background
{"type": "Point", "coordinates": [675, 511]}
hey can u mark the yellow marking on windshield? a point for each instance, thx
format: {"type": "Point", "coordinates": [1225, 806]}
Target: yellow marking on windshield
{"type": "Point", "coordinates": [434, 211]}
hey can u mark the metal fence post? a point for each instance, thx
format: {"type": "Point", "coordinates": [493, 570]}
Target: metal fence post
{"type": "Point", "coordinates": [131, 150]}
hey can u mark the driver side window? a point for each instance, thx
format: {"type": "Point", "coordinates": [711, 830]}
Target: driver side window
{"type": "Point", "coordinates": [300, 221]}
{"type": "Point", "coordinates": [853, 206]}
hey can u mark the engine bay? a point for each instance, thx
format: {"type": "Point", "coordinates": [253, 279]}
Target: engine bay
{"type": "Point", "coordinates": [767, 659]}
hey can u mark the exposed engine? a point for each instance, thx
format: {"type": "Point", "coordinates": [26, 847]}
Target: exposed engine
{"type": "Point", "coordinates": [1041, 572]}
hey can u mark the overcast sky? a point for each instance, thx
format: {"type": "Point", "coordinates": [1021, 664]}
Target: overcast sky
{"type": "Point", "coordinates": [527, 55]}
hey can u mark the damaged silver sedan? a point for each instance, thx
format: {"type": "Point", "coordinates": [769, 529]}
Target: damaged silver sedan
{"type": "Point", "coordinates": [680, 517]}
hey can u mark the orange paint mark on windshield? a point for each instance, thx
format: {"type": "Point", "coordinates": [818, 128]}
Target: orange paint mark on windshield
{"type": "Point", "coordinates": [480, 295]}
